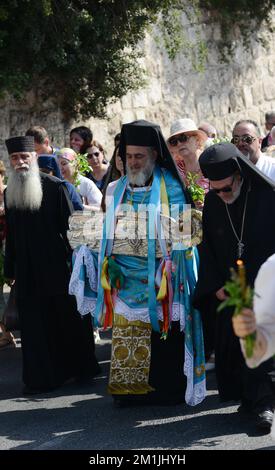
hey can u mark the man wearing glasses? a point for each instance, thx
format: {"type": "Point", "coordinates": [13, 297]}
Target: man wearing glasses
{"type": "Point", "coordinates": [238, 222]}
{"type": "Point", "coordinates": [246, 136]}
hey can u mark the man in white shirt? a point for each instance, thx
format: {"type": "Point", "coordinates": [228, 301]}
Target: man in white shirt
{"type": "Point", "coordinates": [246, 136]}
{"type": "Point", "coordinates": [262, 321]}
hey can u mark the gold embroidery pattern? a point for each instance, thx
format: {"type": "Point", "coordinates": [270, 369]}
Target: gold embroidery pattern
{"type": "Point", "coordinates": [130, 362]}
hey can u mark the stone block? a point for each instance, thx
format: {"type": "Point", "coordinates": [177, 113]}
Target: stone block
{"type": "Point", "coordinates": [126, 101]}
{"type": "Point", "coordinates": [247, 96]}
{"type": "Point", "coordinates": [5, 123]}
{"type": "Point", "coordinates": [140, 113]}
{"type": "Point", "coordinates": [271, 66]}
{"type": "Point", "coordinates": [140, 99]}
{"type": "Point", "coordinates": [127, 115]}
{"type": "Point", "coordinates": [257, 93]}
{"type": "Point", "coordinates": [203, 105]}
{"type": "Point", "coordinates": [154, 91]}
{"type": "Point", "coordinates": [114, 109]}
{"type": "Point", "coordinates": [269, 88]}
{"type": "Point", "coordinates": [236, 100]}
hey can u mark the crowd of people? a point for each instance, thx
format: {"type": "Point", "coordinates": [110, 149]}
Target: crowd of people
{"type": "Point", "coordinates": [169, 219]}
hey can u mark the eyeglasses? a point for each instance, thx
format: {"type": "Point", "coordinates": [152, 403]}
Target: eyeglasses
{"type": "Point", "coordinates": [225, 189]}
{"type": "Point", "coordinates": [246, 139]}
{"type": "Point", "coordinates": [179, 138]}
{"type": "Point", "coordinates": [95, 154]}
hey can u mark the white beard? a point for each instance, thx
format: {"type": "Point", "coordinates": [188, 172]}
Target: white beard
{"type": "Point", "coordinates": [24, 188]}
{"type": "Point", "coordinates": [140, 178]}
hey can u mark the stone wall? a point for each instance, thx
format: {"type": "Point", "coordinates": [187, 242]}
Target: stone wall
{"type": "Point", "coordinates": [222, 94]}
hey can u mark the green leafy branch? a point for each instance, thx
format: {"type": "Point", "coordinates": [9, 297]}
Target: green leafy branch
{"type": "Point", "coordinates": [240, 296]}
{"type": "Point", "coordinates": [196, 191]}
{"type": "Point", "coordinates": [82, 167]}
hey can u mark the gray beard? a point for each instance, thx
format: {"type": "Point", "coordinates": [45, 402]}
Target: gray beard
{"type": "Point", "coordinates": [140, 178]}
{"type": "Point", "coordinates": [24, 189]}
{"type": "Point", "coordinates": [236, 194]}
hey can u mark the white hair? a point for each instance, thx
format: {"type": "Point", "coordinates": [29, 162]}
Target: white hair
{"type": "Point", "coordinates": [24, 188]}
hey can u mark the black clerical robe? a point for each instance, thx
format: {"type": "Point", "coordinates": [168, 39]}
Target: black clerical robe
{"type": "Point", "coordinates": [218, 253]}
{"type": "Point", "coordinates": [55, 345]}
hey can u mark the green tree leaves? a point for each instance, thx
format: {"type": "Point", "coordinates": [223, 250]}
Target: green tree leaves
{"type": "Point", "coordinates": [83, 53]}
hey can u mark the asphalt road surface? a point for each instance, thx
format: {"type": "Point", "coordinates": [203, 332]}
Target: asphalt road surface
{"type": "Point", "coordinates": [84, 417]}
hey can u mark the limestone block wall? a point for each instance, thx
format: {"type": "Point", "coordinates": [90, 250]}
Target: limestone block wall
{"type": "Point", "coordinates": [222, 94]}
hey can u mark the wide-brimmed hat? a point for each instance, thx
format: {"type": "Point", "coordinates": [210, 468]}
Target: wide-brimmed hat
{"type": "Point", "coordinates": [186, 126]}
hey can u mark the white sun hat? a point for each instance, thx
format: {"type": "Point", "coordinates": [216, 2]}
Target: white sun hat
{"type": "Point", "coordinates": [186, 126]}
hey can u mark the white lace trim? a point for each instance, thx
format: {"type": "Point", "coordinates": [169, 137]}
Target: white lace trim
{"type": "Point", "coordinates": [77, 286]}
{"type": "Point", "coordinates": [84, 256]}
{"type": "Point", "coordinates": [142, 314]}
{"type": "Point", "coordinates": [194, 394]}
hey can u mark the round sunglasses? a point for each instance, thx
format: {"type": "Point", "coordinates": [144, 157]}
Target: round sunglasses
{"type": "Point", "coordinates": [245, 139]}
{"type": "Point", "coordinates": [225, 189]}
{"type": "Point", "coordinates": [179, 138]}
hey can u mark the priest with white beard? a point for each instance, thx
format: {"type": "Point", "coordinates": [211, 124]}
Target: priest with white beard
{"type": "Point", "coordinates": [55, 345]}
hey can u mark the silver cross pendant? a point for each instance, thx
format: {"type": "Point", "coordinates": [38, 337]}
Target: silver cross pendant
{"type": "Point", "coordinates": [240, 249]}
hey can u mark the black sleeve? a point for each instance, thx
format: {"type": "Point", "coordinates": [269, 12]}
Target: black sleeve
{"type": "Point", "coordinates": [9, 261]}
{"type": "Point", "coordinates": [209, 279]}
{"type": "Point", "coordinates": [65, 211]}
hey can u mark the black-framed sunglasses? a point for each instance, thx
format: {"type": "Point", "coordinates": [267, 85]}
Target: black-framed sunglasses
{"type": "Point", "coordinates": [245, 139]}
{"type": "Point", "coordinates": [94, 154]}
{"type": "Point", "coordinates": [179, 138]}
{"type": "Point", "coordinates": [225, 189]}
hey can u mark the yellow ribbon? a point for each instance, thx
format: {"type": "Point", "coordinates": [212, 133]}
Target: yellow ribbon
{"type": "Point", "coordinates": [104, 275]}
{"type": "Point", "coordinates": [164, 198]}
{"type": "Point", "coordinates": [163, 290]}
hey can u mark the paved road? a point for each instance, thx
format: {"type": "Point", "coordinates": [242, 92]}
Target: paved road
{"type": "Point", "coordinates": [83, 417]}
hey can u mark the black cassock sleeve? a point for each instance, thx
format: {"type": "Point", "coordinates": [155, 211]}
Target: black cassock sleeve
{"type": "Point", "coordinates": [9, 262]}
{"type": "Point", "coordinates": [210, 278]}
{"type": "Point", "coordinates": [209, 281]}
{"type": "Point", "coordinates": [65, 210]}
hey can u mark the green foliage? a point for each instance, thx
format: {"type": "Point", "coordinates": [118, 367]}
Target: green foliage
{"type": "Point", "coordinates": [196, 191]}
{"type": "Point", "coordinates": [239, 21]}
{"type": "Point", "coordinates": [83, 53]}
{"type": "Point", "coordinates": [82, 167]}
{"type": "Point", "coordinates": [218, 140]}
{"type": "Point", "coordinates": [174, 37]}
{"type": "Point", "coordinates": [240, 295]}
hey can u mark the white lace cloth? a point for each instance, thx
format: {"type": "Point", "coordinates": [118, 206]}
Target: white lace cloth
{"type": "Point", "coordinates": [194, 394]}
{"type": "Point", "coordinates": [77, 285]}
{"type": "Point", "coordinates": [87, 304]}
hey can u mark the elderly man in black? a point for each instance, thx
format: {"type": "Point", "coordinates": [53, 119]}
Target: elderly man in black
{"type": "Point", "coordinates": [238, 222]}
{"type": "Point", "coordinates": [55, 345]}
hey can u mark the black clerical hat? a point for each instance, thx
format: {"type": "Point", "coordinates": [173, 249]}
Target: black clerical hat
{"type": "Point", "coordinates": [142, 133]}
{"type": "Point", "coordinates": [20, 144]}
{"type": "Point", "coordinates": [148, 134]}
{"type": "Point", "coordinates": [219, 161]}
